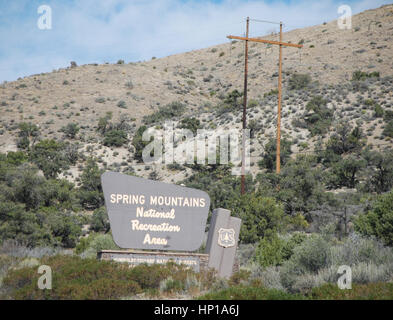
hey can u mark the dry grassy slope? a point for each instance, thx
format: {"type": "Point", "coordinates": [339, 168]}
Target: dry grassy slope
{"type": "Point", "coordinates": [330, 55]}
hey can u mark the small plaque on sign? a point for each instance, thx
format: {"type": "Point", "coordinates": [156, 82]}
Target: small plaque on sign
{"type": "Point", "coordinates": [226, 237]}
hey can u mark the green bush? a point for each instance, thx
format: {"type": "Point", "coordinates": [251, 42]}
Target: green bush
{"type": "Point", "coordinates": [388, 130]}
{"type": "Point", "coordinates": [261, 217]}
{"type": "Point", "coordinates": [28, 134]}
{"type": "Point", "coordinates": [192, 124]}
{"type": "Point", "coordinates": [379, 220]}
{"type": "Point", "coordinates": [270, 251]}
{"type": "Point", "coordinates": [378, 111]}
{"type": "Point", "coordinates": [299, 81]}
{"type": "Point", "coordinates": [318, 116]}
{"type": "Point", "coordinates": [345, 172]}
{"type": "Point", "coordinates": [268, 160]}
{"type": "Point", "coordinates": [139, 144]}
{"type": "Point", "coordinates": [70, 130]}
{"type": "Point", "coordinates": [380, 171]}
{"type": "Point", "coordinates": [100, 220]}
{"type": "Point", "coordinates": [388, 115]}
{"type": "Point", "coordinates": [299, 186]}
{"type": "Point", "coordinates": [346, 139]}
{"type": "Point", "coordinates": [49, 156]}
{"type": "Point", "coordinates": [232, 102]}
{"type": "Point", "coordinates": [115, 138]}
{"type": "Point", "coordinates": [96, 243]}
{"type": "Point", "coordinates": [371, 291]}
{"type": "Point", "coordinates": [243, 292]}
{"type": "Point", "coordinates": [274, 250]}
{"type": "Point", "coordinates": [104, 123]}
{"type": "Point", "coordinates": [74, 279]}
{"type": "Point", "coordinates": [80, 279]}
{"type": "Point", "coordinates": [166, 112]}
{"type": "Point", "coordinates": [308, 258]}
{"type": "Point", "coordinates": [90, 193]}
{"type": "Point", "coordinates": [360, 75]}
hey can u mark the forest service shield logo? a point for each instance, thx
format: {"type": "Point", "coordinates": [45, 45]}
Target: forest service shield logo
{"type": "Point", "coordinates": [226, 237]}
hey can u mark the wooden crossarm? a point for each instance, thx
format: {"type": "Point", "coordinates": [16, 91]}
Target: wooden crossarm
{"type": "Point", "coordinates": [266, 41]}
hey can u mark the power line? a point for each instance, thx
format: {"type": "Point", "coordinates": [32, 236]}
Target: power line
{"type": "Point", "coordinates": [265, 21]}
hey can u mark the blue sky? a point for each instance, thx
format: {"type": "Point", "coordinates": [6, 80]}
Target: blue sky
{"type": "Point", "coordinates": [98, 31]}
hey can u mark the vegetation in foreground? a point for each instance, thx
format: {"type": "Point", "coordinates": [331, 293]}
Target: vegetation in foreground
{"type": "Point", "coordinates": [79, 279]}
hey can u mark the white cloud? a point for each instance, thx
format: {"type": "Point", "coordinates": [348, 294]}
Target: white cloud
{"type": "Point", "coordinates": [97, 31]}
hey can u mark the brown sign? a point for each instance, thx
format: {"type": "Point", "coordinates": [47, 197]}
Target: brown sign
{"type": "Point", "coordinates": [147, 214]}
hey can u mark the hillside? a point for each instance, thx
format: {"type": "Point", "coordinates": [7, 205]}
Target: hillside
{"type": "Point", "coordinates": [201, 79]}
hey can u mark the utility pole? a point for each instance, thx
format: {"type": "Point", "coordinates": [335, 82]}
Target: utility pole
{"type": "Point", "coordinates": [279, 43]}
{"type": "Point", "coordinates": [278, 149]}
{"type": "Point", "coordinates": [243, 178]}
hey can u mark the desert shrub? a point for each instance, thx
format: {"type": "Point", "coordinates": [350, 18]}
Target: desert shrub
{"type": "Point", "coordinates": [318, 116]}
{"type": "Point", "coordinates": [231, 103]}
{"type": "Point", "coordinates": [122, 104]}
{"type": "Point", "coordinates": [192, 124]}
{"type": "Point", "coordinates": [18, 224]}
{"type": "Point", "coordinates": [71, 153]}
{"type": "Point", "coordinates": [268, 276]}
{"type": "Point", "coordinates": [269, 251]}
{"type": "Point", "coordinates": [217, 180]}
{"type": "Point", "coordinates": [299, 81]}
{"type": "Point", "coordinates": [96, 243]}
{"type": "Point", "coordinates": [104, 123]}
{"type": "Point", "coordinates": [100, 220]}
{"type": "Point", "coordinates": [268, 160]}
{"type": "Point", "coordinates": [358, 249]}
{"type": "Point", "coordinates": [379, 112]}
{"type": "Point", "coordinates": [81, 279]}
{"type": "Point", "coordinates": [36, 211]}
{"type": "Point", "coordinates": [245, 253]}
{"type": "Point", "coordinates": [90, 193]}
{"type": "Point", "coordinates": [261, 217]}
{"type": "Point", "coordinates": [239, 277]}
{"type": "Point", "coordinates": [65, 228]}
{"type": "Point", "coordinates": [115, 138]}
{"type": "Point", "coordinates": [28, 135]}
{"type": "Point", "coordinates": [150, 277]}
{"type": "Point", "coordinates": [100, 100]}
{"type": "Point", "coordinates": [166, 112]}
{"type": "Point", "coordinates": [272, 92]}
{"type": "Point", "coordinates": [317, 259]}
{"type": "Point", "coordinates": [388, 130]}
{"type": "Point", "coordinates": [139, 144]}
{"type": "Point", "coordinates": [345, 172]}
{"type": "Point", "coordinates": [368, 272]}
{"type": "Point", "coordinates": [380, 171]}
{"type": "Point", "coordinates": [371, 291]}
{"type": "Point", "coordinates": [75, 279]}
{"type": "Point", "coordinates": [70, 130]}
{"type": "Point", "coordinates": [379, 220]}
{"type": "Point", "coordinates": [307, 258]}
{"type": "Point", "coordinates": [170, 285]}
{"type": "Point", "coordinates": [360, 75]}
{"type": "Point", "coordinates": [299, 186]}
{"type": "Point", "coordinates": [243, 292]}
{"type": "Point", "coordinates": [306, 282]}
{"type": "Point", "coordinates": [345, 139]}
{"type": "Point", "coordinates": [254, 127]}
{"type": "Point", "coordinates": [388, 115]}
{"type": "Point", "coordinates": [49, 156]}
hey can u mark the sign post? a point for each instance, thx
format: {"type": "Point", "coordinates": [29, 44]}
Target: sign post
{"type": "Point", "coordinates": [222, 242]}
{"type": "Point", "coordinates": [152, 215]}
